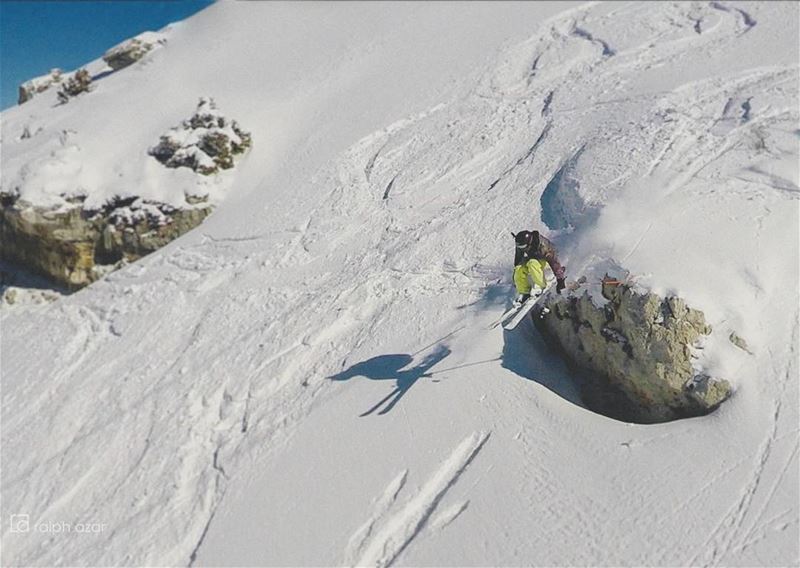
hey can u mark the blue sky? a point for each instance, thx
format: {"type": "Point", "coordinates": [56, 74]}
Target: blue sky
{"type": "Point", "coordinates": [36, 36]}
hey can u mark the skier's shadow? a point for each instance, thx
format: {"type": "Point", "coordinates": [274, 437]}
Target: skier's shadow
{"type": "Point", "coordinates": [391, 367]}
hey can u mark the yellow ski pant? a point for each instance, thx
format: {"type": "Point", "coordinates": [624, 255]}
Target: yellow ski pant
{"type": "Point", "coordinates": [533, 269]}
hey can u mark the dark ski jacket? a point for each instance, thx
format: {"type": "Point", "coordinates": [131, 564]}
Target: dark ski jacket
{"type": "Point", "coordinates": [540, 249]}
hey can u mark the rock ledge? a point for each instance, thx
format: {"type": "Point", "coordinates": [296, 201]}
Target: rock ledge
{"type": "Point", "coordinates": [636, 351]}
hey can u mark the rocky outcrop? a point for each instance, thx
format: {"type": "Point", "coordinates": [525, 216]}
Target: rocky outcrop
{"type": "Point", "coordinates": [118, 57]}
{"type": "Point", "coordinates": [80, 82]}
{"type": "Point", "coordinates": [206, 142]}
{"type": "Point", "coordinates": [635, 350]}
{"type": "Point", "coordinates": [33, 87]}
{"type": "Point", "coordinates": [132, 50]}
{"type": "Point", "coordinates": [71, 85]}
{"type": "Point", "coordinates": [74, 246]}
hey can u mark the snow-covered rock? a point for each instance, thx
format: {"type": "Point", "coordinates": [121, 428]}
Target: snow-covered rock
{"type": "Point", "coordinates": [205, 143]}
{"type": "Point", "coordinates": [118, 57]}
{"type": "Point", "coordinates": [58, 221]}
{"type": "Point", "coordinates": [132, 50]}
{"type": "Point", "coordinates": [73, 246]}
{"type": "Point", "coordinates": [33, 87]}
{"type": "Point", "coordinates": [638, 349]}
{"type": "Point", "coordinates": [78, 83]}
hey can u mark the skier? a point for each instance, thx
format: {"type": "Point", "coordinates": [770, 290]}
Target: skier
{"type": "Point", "coordinates": [533, 253]}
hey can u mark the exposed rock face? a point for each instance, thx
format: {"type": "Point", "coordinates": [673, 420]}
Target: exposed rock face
{"type": "Point", "coordinates": [206, 142]}
{"type": "Point", "coordinates": [118, 57]}
{"type": "Point", "coordinates": [73, 247]}
{"type": "Point", "coordinates": [132, 50]}
{"type": "Point", "coordinates": [29, 89]}
{"type": "Point", "coordinates": [636, 350]}
{"type": "Point", "coordinates": [73, 244]}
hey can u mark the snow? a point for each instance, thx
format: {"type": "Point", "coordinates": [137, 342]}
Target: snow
{"type": "Point", "coordinates": [186, 402]}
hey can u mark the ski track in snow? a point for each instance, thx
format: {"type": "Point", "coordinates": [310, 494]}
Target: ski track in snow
{"type": "Point", "coordinates": [746, 21]}
{"type": "Point", "coordinates": [365, 532]}
{"type": "Point", "coordinates": [730, 534]}
{"type": "Point", "coordinates": [401, 527]}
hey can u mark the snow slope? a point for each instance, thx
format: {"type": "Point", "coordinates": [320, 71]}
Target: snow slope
{"type": "Point", "coordinates": [308, 378]}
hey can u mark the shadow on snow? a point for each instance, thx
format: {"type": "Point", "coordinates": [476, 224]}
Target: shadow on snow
{"type": "Point", "coordinates": [526, 354]}
{"type": "Point", "coordinates": [392, 367]}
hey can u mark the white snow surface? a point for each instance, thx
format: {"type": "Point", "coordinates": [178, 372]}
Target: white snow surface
{"type": "Point", "coordinates": [308, 377]}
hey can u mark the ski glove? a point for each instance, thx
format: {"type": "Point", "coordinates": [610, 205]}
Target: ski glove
{"type": "Point", "coordinates": [560, 285]}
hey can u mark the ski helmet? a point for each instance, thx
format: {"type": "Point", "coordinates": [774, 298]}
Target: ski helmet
{"type": "Point", "coordinates": [524, 239]}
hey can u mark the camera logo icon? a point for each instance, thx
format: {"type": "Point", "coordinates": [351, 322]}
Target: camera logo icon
{"type": "Point", "coordinates": [20, 523]}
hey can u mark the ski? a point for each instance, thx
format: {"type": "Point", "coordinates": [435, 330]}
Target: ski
{"type": "Point", "coordinates": [514, 310]}
{"type": "Point", "coordinates": [523, 311]}
{"type": "Point", "coordinates": [507, 314]}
